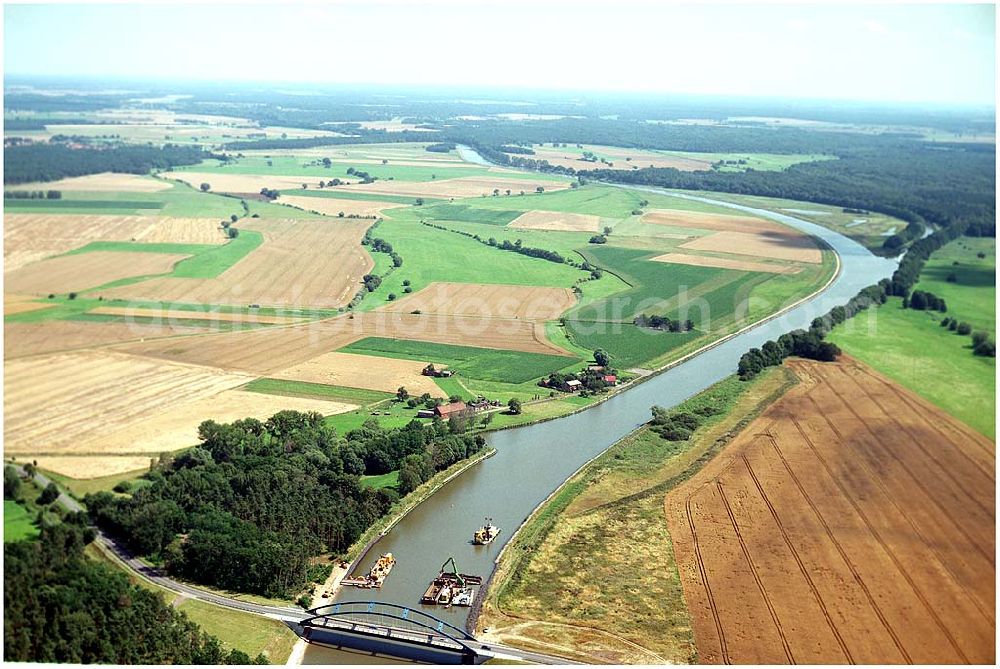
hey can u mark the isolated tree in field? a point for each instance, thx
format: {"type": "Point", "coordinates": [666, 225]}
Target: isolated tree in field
{"type": "Point", "coordinates": [234, 218]}
{"type": "Point", "coordinates": [602, 358]}
{"type": "Point", "coordinates": [964, 328]}
{"type": "Point", "coordinates": [402, 394]}
{"type": "Point", "coordinates": [539, 189]}
{"type": "Point", "coordinates": [607, 230]}
{"type": "Point", "coordinates": [420, 201]}
{"type": "Point", "coordinates": [514, 406]}
{"type": "Point", "coordinates": [986, 348]}
{"type": "Point", "coordinates": [327, 162]}
{"type": "Point", "coordinates": [205, 187]}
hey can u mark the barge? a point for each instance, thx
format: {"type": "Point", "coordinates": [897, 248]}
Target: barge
{"type": "Point", "coordinates": [376, 577]}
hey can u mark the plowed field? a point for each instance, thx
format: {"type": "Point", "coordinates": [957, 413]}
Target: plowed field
{"type": "Point", "coordinates": [852, 522]}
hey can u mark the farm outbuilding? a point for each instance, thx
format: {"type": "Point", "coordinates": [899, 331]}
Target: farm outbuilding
{"type": "Point", "coordinates": [446, 410]}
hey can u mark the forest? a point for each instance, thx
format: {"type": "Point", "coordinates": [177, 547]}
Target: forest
{"type": "Point", "coordinates": [255, 501]}
{"type": "Point", "coordinates": [26, 163]}
{"type": "Point", "coordinates": [60, 606]}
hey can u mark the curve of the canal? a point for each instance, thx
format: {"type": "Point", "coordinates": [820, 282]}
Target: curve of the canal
{"type": "Point", "coordinates": [533, 461]}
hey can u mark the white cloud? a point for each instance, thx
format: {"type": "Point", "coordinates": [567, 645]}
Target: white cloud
{"type": "Point", "coordinates": [874, 26]}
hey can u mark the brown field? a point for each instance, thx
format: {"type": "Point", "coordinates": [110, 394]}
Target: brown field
{"type": "Point", "coordinates": [30, 237]}
{"type": "Point", "coordinates": [305, 263]}
{"type": "Point", "coordinates": [70, 402]}
{"type": "Point", "coordinates": [86, 270]}
{"type": "Point", "coordinates": [336, 206]}
{"type": "Point", "coordinates": [706, 221]}
{"type": "Point", "coordinates": [487, 301]}
{"type": "Point", "coordinates": [618, 158]}
{"type": "Point", "coordinates": [19, 304]}
{"type": "Point", "coordinates": [363, 371]}
{"type": "Point", "coordinates": [172, 315]}
{"type": "Point", "coordinates": [24, 339]}
{"type": "Point", "coordinates": [554, 220]}
{"type": "Point", "coordinates": [456, 188]}
{"type": "Point", "coordinates": [853, 522]}
{"type": "Point", "coordinates": [263, 352]}
{"type": "Point", "coordinates": [764, 244]}
{"type": "Point", "coordinates": [91, 466]}
{"type": "Point", "coordinates": [104, 182]}
{"type": "Point", "coordinates": [726, 263]}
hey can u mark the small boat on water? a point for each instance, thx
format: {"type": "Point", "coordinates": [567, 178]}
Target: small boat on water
{"type": "Point", "coordinates": [486, 534]}
{"type": "Point", "coordinates": [376, 577]}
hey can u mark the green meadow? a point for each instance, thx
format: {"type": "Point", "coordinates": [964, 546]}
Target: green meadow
{"type": "Point", "coordinates": [971, 292]}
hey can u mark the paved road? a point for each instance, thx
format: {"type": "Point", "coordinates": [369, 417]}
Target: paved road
{"type": "Point", "coordinates": [287, 614]}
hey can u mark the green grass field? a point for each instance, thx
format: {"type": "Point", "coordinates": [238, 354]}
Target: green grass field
{"type": "Point", "coordinates": [318, 391]}
{"type": "Point", "coordinates": [468, 361]}
{"type": "Point", "coordinates": [17, 522]}
{"type": "Point", "coordinates": [911, 348]}
{"type": "Point", "coordinates": [972, 296]}
{"type": "Point", "coordinates": [337, 194]}
{"type": "Point", "coordinates": [390, 480]}
{"type": "Point", "coordinates": [628, 345]}
{"type": "Point", "coordinates": [140, 247]}
{"type": "Point", "coordinates": [75, 206]}
{"type": "Point", "coordinates": [217, 259]}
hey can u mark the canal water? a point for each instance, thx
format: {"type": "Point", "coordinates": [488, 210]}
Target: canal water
{"type": "Point", "coordinates": [532, 461]}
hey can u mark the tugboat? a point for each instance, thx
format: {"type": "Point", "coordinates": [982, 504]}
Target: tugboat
{"type": "Point", "coordinates": [486, 534]}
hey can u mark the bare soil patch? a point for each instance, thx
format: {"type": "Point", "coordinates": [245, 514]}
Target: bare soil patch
{"type": "Point", "coordinates": [555, 220]}
{"type": "Point", "coordinates": [30, 237]}
{"type": "Point", "coordinates": [706, 221]}
{"type": "Point", "coordinates": [336, 206]}
{"type": "Point", "coordinates": [852, 522]}
{"type": "Point", "coordinates": [24, 339]}
{"type": "Point", "coordinates": [487, 301]}
{"type": "Point", "coordinates": [103, 182]}
{"type": "Point", "coordinates": [70, 402]}
{"type": "Point", "coordinates": [363, 371]}
{"type": "Point", "coordinates": [302, 263]}
{"type": "Point", "coordinates": [726, 263]}
{"type": "Point", "coordinates": [86, 270]}
{"type": "Point", "coordinates": [764, 244]}
{"type": "Point", "coordinates": [456, 188]}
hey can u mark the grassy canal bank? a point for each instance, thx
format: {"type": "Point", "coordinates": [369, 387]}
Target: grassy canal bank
{"type": "Point", "coordinates": [591, 575]}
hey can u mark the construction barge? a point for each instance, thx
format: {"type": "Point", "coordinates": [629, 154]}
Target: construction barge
{"type": "Point", "coordinates": [376, 577]}
{"type": "Point", "coordinates": [485, 534]}
{"type": "Point", "coordinates": [451, 588]}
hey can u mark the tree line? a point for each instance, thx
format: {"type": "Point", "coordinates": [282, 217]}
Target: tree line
{"type": "Point", "coordinates": [249, 506]}
{"type": "Point", "coordinates": [27, 163]}
{"type": "Point", "coordinates": [60, 606]}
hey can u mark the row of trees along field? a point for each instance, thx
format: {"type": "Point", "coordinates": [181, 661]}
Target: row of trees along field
{"type": "Point", "coordinates": [248, 507]}
{"type": "Point", "coordinates": [60, 606]}
{"type": "Point", "coordinates": [26, 163]}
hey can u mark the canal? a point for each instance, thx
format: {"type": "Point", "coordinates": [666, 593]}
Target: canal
{"type": "Point", "coordinates": [532, 461]}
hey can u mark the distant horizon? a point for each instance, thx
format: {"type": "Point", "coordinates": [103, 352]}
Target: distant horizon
{"type": "Point", "coordinates": [892, 54]}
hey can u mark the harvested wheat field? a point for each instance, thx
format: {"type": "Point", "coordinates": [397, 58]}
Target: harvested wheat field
{"type": "Point", "coordinates": [302, 263]}
{"type": "Point", "coordinates": [622, 159]}
{"type": "Point", "coordinates": [19, 304]}
{"type": "Point", "coordinates": [556, 220]}
{"type": "Point", "coordinates": [93, 466]}
{"type": "Point", "coordinates": [169, 316]}
{"type": "Point", "coordinates": [487, 301]}
{"type": "Point", "coordinates": [706, 221]}
{"type": "Point", "coordinates": [726, 263]}
{"type": "Point", "coordinates": [83, 271]}
{"type": "Point", "coordinates": [56, 404]}
{"type": "Point", "coordinates": [30, 237]}
{"type": "Point", "coordinates": [363, 371]}
{"type": "Point", "coordinates": [335, 206]}
{"type": "Point", "coordinates": [176, 427]}
{"type": "Point", "coordinates": [24, 339]}
{"type": "Point", "coordinates": [765, 244]}
{"type": "Point", "coordinates": [456, 188]}
{"type": "Point", "coordinates": [852, 522]}
{"type": "Point", "coordinates": [105, 182]}
{"type": "Point", "coordinates": [263, 352]}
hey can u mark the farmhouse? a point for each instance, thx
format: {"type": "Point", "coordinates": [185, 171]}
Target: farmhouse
{"type": "Point", "coordinates": [446, 410]}
{"type": "Point", "coordinates": [574, 385]}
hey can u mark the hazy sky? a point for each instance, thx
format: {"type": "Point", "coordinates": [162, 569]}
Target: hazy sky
{"type": "Point", "coordinates": [939, 53]}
